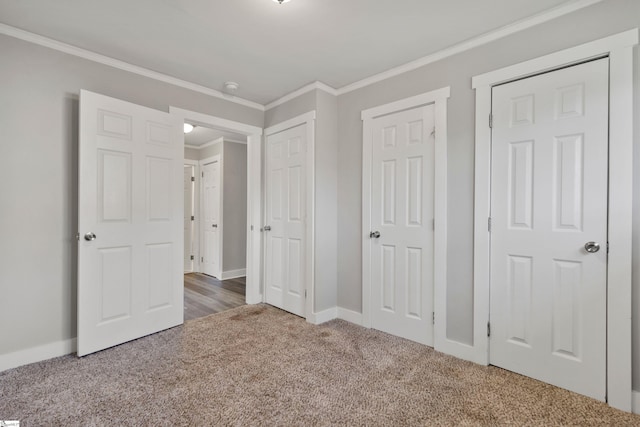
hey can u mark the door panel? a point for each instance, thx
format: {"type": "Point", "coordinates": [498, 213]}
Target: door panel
{"type": "Point", "coordinates": [286, 216]}
{"type": "Point", "coordinates": [130, 190]}
{"type": "Point", "coordinates": [402, 209]}
{"type": "Point", "coordinates": [549, 198]}
{"type": "Point", "coordinates": [212, 224]}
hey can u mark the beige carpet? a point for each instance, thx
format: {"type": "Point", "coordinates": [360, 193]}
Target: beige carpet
{"type": "Point", "coordinates": [256, 365]}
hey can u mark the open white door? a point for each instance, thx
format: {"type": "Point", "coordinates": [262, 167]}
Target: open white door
{"type": "Point", "coordinates": [130, 222]}
{"type": "Point", "coordinates": [211, 259]}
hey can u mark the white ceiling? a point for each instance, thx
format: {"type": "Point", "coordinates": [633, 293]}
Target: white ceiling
{"type": "Point", "coordinates": [201, 135]}
{"type": "Point", "coordinates": [269, 49]}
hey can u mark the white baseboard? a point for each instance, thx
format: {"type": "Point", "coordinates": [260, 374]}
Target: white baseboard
{"type": "Point", "coordinates": [232, 274]}
{"type": "Point", "coordinates": [37, 354]}
{"type": "Point", "coordinates": [635, 402]}
{"type": "Point", "coordinates": [350, 316]}
{"type": "Point", "coordinates": [323, 316]}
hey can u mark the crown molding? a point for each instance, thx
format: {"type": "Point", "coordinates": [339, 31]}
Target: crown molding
{"type": "Point", "coordinates": [393, 72]}
{"type": "Point", "coordinates": [507, 30]}
{"type": "Point", "coordinates": [121, 65]}
{"type": "Point", "coordinates": [308, 88]}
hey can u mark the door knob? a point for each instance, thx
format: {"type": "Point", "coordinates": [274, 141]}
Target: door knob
{"type": "Point", "coordinates": [374, 235]}
{"type": "Point", "coordinates": [267, 228]}
{"type": "Point", "coordinates": [214, 225]}
{"type": "Point", "coordinates": [592, 247]}
{"type": "Point", "coordinates": [89, 237]}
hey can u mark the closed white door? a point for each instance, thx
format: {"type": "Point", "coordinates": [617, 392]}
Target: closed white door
{"type": "Point", "coordinates": [549, 200]}
{"type": "Point", "coordinates": [130, 242]}
{"type": "Point", "coordinates": [189, 217]}
{"type": "Point", "coordinates": [285, 220]}
{"type": "Point", "coordinates": [211, 258]}
{"type": "Point", "coordinates": [402, 202]}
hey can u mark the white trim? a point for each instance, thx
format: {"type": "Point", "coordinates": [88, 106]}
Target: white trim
{"type": "Point", "coordinates": [296, 93]}
{"type": "Point", "coordinates": [439, 98]}
{"type": "Point", "coordinates": [308, 119]}
{"type": "Point", "coordinates": [323, 316]}
{"type": "Point", "coordinates": [232, 274]}
{"type": "Point", "coordinates": [470, 44]}
{"type": "Point", "coordinates": [635, 401]}
{"type": "Point", "coordinates": [37, 354]}
{"type": "Point", "coordinates": [219, 250]}
{"type": "Point", "coordinates": [350, 316]}
{"type": "Point", "coordinates": [121, 65]}
{"type": "Point", "coordinates": [618, 49]}
{"type": "Point", "coordinates": [254, 192]}
{"type": "Point", "coordinates": [214, 142]}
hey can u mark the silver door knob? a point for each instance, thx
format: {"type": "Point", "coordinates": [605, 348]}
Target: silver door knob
{"type": "Point", "coordinates": [89, 237]}
{"type": "Point", "coordinates": [267, 228]}
{"type": "Point", "coordinates": [374, 235]}
{"type": "Point", "coordinates": [592, 247]}
{"type": "Point", "coordinates": [214, 225]}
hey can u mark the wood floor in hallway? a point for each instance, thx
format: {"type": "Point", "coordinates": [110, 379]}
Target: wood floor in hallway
{"type": "Point", "coordinates": [205, 295]}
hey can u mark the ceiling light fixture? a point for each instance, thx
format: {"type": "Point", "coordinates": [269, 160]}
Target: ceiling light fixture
{"type": "Point", "coordinates": [281, 1]}
{"type": "Point", "coordinates": [231, 86]}
{"type": "Point", "coordinates": [188, 128]}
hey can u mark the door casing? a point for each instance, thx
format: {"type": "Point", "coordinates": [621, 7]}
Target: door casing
{"type": "Point", "coordinates": [254, 191]}
{"type": "Point", "coordinates": [309, 119]}
{"type": "Point", "coordinates": [439, 98]}
{"type": "Point", "coordinates": [619, 49]}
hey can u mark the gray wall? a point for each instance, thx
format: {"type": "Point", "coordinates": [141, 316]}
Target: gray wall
{"type": "Point", "coordinates": [191, 153]}
{"type": "Point", "coordinates": [600, 20]}
{"type": "Point", "coordinates": [38, 178]}
{"type": "Point", "coordinates": [326, 180]}
{"type": "Point", "coordinates": [234, 206]}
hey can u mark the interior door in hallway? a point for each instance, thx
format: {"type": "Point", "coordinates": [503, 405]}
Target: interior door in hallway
{"type": "Point", "coordinates": [549, 227]}
{"type": "Point", "coordinates": [285, 219]}
{"type": "Point", "coordinates": [130, 219]}
{"type": "Point", "coordinates": [211, 259]}
{"type": "Point", "coordinates": [189, 216]}
{"type": "Point", "coordinates": [402, 213]}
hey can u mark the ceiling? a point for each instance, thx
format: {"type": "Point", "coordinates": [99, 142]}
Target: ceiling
{"type": "Point", "coordinates": [201, 135]}
{"type": "Point", "coordinates": [269, 49]}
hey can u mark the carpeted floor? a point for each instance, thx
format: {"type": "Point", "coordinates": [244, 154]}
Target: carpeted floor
{"type": "Point", "coordinates": [257, 365]}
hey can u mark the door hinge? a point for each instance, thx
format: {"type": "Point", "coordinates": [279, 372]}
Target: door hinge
{"type": "Point", "coordinates": [305, 293]}
{"type": "Point", "coordinates": [433, 317]}
{"type": "Point", "coordinates": [201, 259]}
{"type": "Point", "coordinates": [193, 178]}
{"type": "Point", "coordinates": [488, 329]}
{"type": "Point", "coordinates": [433, 224]}
{"type": "Point", "coordinates": [203, 174]}
{"type": "Point", "coordinates": [489, 224]}
{"type": "Point", "coordinates": [607, 247]}
{"type": "Point", "coordinates": [193, 218]}
{"type": "Point", "coordinates": [192, 257]}
{"type": "Point", "coordinates": [490, 121]}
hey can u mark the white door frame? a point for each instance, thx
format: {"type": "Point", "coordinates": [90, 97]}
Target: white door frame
{"type": "Point", "coordinates": [195, 243]}
{"type": "Point", "coordinates": [439, 98]}
{"type": "Point", "coordinates": [220, 249]}
{"type": "Point", "coordinates": [309, 119]}
{"type": "Point", "coordinates": [254, 191]}
{"type": "Point", "coordinates": [619, 49]}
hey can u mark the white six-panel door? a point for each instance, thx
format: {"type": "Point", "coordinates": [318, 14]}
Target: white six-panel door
{"type": "Point", "coordinates": [549, 199]}
{"type": "Point", "coordinates": [402, 212]}
{"type": "Point", "coordinates": [211, 221]}
{"type": "Point", "coordinates": [130, 221]}
{"type": "Point", "coordinates": [189, 213]}
{"type": "Point", "coordinates": [285, 219]}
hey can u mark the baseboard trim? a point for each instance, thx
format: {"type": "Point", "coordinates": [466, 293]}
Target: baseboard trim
{"type": "Point", "coordinates": [323, 316]}
{"type": "Point", "coordinates": [350, 316]}
{"type": "Point", "coordinates": [37, 354]}
{"type": "Point", "coordinates": [232, 274]}
{"type": "Point", "coordinates": [635, 402]}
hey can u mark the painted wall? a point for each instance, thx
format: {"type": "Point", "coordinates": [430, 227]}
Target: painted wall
{"type": "Point", "coordinates": [38, 179]}
{"type": "Point", "coordinates": [191, 153]}
{"type": "Point", "coordinates": [603, 19]}
{"type": "Point", "coordinates": [234, 206]}
{"type": "Point", "coordinates": [326, 180]}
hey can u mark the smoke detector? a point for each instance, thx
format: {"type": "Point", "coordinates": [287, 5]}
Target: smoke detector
{"type": "Point", "coordinates": [231, 86]}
